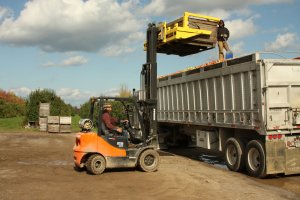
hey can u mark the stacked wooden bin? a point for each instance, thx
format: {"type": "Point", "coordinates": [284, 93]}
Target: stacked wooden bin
{"type": "Point", "coordinates": [65, 124]}
{"type": "Point", "coordinates": [59, 124]}
{"type": "Point", "coordinates": [44, 112]}
{"type": "Point", "coordinates": [53, 124]}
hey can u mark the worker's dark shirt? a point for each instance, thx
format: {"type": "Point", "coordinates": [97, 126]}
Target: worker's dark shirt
{"type": "Point", "coordinates": [109, 121]}
{"type": "Point", "coordinates": [222, 34]}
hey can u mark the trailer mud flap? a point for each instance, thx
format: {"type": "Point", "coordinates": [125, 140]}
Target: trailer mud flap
{"type": "Point", "coordinates": [292, 161]}
{"type": "Point", "coordinates": [275, 155]}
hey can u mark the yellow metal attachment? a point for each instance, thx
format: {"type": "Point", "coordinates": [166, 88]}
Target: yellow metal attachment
{"type": "Point", "coordinates": [169, 33]}
{"type": "Point", "coordinates": [195, 30]}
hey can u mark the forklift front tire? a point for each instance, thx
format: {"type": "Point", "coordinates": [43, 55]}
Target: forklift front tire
{"type": "Point", "coordinates": [95, 164]}
{"type": "Point", "coordinates": [149, 160]}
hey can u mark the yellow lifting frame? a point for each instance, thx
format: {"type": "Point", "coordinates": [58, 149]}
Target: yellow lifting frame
{"type": "Point", "coordinates": [184, 32]}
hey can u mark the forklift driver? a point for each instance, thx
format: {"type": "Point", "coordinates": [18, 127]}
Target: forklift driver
{"type": "Point", "coordinates": [110, 122]}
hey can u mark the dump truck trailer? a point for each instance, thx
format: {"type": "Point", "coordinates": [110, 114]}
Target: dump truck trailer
{"type": "Point", "coordinates": [247, 107]}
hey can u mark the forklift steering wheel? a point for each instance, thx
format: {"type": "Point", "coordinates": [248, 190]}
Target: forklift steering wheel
{"type": "Point", "coordinates": [125, 124]}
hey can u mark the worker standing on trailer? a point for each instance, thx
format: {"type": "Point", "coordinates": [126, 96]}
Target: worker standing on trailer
{"type": "Point", "coordinates": [222, 37]}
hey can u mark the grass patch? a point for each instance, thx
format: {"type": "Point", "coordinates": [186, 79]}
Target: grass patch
{"type": "Point", "coordinates": [75, 123]}
{"type": "Point", "coordinates": [14, 124]}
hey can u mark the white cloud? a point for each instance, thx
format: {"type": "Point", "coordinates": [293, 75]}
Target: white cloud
{"type": "Point", "coordinates": [74, 61]}
{"type": "Point", "coordinates": [73, 96]}
{"type": "Point", "coordinates": [108, 26]}
{"type": "Point", "coordinates": [156, 7]}
{"type": "Point", "coordinates": [282, 42]}
{"type": "Point", "coordinates": [243, 12]}
{"type": "Point", "coordinates": [22, 91]}
{"type": "Point", "coordinates": [5, 13]}
{"type": "Point", "coordinates": [77, 97]}
{"type": "Point", "coordinates": [71, 61]}
{"type": "Point", "coordinates": [65, 25]}
{"type": "Point", "coordinates": [126, 45]}
{"type": "Point", "coordinates": [69, 95]}
{"type": "Point", "coordinates": [49, 64]}
{"type": "Point", "coordinates": [240, 28]}
{"type": "Point", "coordinates": [237, 49]}
{"type": "Point", "coordinates": [276, 30]}
{"type": "Point", "coordinates": [220, 13]}
{"type": "Point", "coordinates": [176, 7]}
{"type": "Point", "coordinates": [116, 50]}
{"type": "Point", "coordinates": [112, 92]}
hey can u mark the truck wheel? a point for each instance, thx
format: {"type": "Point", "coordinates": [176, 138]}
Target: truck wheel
{"type": "Point", "coordinates": [256, 159]}
{"type": "Point", "coordinates": [95, 164]}
{"type": "Point", "coordinates": [234, 154]}
{"type": "Point", "coordinates": [149, 160]}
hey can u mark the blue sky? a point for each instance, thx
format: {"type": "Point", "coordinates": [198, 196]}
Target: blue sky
{"type": "Point", "coordinates": [89, 48]}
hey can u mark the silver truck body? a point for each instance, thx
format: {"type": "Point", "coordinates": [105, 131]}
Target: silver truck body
{"type": "Point", "coordinates": [246, 98]}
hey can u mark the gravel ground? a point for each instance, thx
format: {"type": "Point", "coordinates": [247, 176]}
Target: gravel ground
{"type": "Point", "coordinates": [40, 166]}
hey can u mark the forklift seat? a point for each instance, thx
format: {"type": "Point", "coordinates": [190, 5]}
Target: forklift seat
{"type": "Point", "coordinates": [105, 131]}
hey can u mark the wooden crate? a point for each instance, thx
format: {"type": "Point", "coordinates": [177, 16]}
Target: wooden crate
{"type": "Point", "coordinates": [65, 128]}
{"type": "Point", "coordinates": [53, 119]}
{"type": "Point", "coordinates": [53, 128]}
{"type": "Point", "coordinates": [43, 121]}
{"type": "Point", "coordinates": [44, 109]}
{"type": "Point", "coordinates": [43, 127]}
{"type": "Point", "coordinates": [65, 120]}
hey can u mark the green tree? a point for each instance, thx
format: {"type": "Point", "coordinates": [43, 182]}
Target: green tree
{"type": "Point", "coordinates": [57, 105]}
{"type": "Point", "coordinates": [84, 110]}
{"type": "Point", "coordinates": [11, 105]}
{"type": "Point", "coordinates": [117, 110]}
{"type": "Point", "coordinates": [117, 107]}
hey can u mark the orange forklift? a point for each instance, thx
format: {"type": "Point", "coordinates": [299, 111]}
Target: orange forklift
{"type": "Point", "coordinates": [102, 149]}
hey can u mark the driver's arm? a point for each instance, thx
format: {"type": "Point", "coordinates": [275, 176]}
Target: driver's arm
{"type": "Point", "coordinates": [124, 121]}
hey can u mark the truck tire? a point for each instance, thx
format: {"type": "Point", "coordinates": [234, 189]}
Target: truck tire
{"type": "Point", "coordinates": [149, 160]}
{"type": "Point", "coordinates": [234, 154]}
{"type": "Point", "coordinates": [256, 159]}
{"type": "Point", "coordinates": [95, 164]}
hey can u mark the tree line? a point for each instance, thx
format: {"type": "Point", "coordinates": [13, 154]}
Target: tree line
{"type": "Point", "coordinates": [12, 106]}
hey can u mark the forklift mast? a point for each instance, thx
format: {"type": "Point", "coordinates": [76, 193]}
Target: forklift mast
{"type": "Point", "coordinates": [148, 96]}
{"type": "Point", "coordinates": [187, 35]}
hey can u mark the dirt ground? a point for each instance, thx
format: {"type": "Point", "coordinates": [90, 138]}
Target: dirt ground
{"type": "Point", "coordinates": [40, 166]}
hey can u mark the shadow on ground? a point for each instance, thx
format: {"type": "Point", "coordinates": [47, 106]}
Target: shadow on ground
{"type": "Point", "coordinates": [198, 154]}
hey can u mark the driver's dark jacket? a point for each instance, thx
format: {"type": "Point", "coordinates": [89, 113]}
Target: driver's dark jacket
{"type": "Point", "coordinates": [109, 121]}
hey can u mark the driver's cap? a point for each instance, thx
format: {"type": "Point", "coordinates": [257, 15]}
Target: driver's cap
{"type": "Point", "coordinates": [106, 105]}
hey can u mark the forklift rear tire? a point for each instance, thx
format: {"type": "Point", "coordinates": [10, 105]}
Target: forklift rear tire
{"type": "Point", "coordinates": [95, 164]}
{"type": "Point", "coordinates": [149, 160]}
